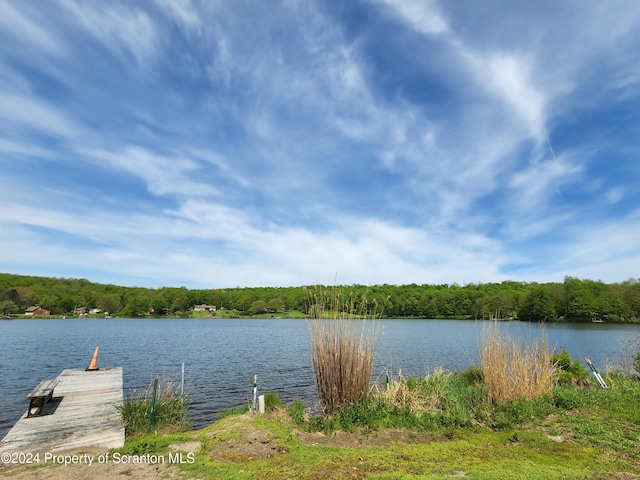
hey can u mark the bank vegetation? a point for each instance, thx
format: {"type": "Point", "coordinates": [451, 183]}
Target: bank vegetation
{"type": "Point", "coordinates": [579, 300]}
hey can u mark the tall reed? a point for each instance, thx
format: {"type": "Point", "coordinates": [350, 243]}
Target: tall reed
{"type": "Point", "coordinates": [514, 369]}
{"type": "Point", "coordinates": [343, 342]}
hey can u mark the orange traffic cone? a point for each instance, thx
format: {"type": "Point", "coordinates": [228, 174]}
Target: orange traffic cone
{"type": "Point", "coordinates": [94, 361]}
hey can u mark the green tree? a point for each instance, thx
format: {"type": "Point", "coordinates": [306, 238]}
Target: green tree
{"type": "Point", "coordinates": [259, 306]}
{"type": "Point", "coordinates": [108, 303]}
{"type": "Point", "coordinates": [135, 307]}
{"type": "Point", "coordinates": [631, 297]}
{"type": "Point", "coordinates": [8, 307]}
{"type": "Point", "coordinates": [181, 303]}
{"type": "Point", "coordinates": [580, 300]}
{"type": "Point", "coordinates": [537, 306]}
{"type": "Point", "coordinates": [432, 309]}
{"type": "Point", "coordinates": [275, 305]}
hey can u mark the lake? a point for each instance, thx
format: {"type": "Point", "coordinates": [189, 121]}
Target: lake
{"type": "Point", "coordinates": [221, 356]}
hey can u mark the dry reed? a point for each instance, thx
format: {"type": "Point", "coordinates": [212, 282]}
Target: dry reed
{"type": "Point", "coordinates": [513, 368]}
{"type": "Point", "coordinates": [343, 341]}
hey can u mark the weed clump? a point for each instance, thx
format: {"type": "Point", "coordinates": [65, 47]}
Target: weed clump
{"type": "Point", "coordinates": [170, 410]}
{"type": "Point", "coordinates": [298, 413]}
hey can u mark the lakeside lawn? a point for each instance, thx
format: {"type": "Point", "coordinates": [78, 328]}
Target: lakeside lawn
{"type": "Point", "coordinates": [574, 432]}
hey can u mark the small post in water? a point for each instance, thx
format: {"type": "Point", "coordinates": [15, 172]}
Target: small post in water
{"type": "Point", "coordinates": [153, 404]}
{"type": "Point", "coordinates": [182, 382]}
{"type": "Point", "coordinates": [255, 391]}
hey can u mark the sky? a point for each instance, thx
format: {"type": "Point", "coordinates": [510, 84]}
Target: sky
{"type": "Point", "coordinates": [215, 144]}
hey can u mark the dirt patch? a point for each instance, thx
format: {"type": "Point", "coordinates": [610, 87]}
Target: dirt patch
{"type": "Point", "coordinates": [237, 439]}
{"type": "Point", "coordinates": [187, 447]}
{"type": "Point", "coordinates": [81, 467]}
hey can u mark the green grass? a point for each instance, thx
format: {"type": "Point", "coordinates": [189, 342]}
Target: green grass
{"type": "Point", "coordinates": [593, 435]}
{"type": "Point", "coordinates": [239, 410]}
{"type": "Point", "coordinates": [442, 425]}
{"type": "Point", "coordinates": [170, 411]}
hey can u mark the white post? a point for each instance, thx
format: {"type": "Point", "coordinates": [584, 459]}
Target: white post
{"type": "Point", "coordinates": [261, 403]}
{"type": "Point", "coordinates": [182, 382]}
{"type": "Point", "coordinates": [255, 391]}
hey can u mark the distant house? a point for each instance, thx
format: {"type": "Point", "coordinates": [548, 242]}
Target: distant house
{"type": "Point", "coordinates": [36, 310]}
{"type": "Point", "coordinates": [159, 311]}
{"type": "Point", "coordinates": [204, 308]}
{"type": "Point", "coordinates": [81, 311]}
{"type": "Point", "coordinates": [94, 311]}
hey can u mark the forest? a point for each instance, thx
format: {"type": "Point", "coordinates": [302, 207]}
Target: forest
{"type": "Point", "coordinates": [576, 300]}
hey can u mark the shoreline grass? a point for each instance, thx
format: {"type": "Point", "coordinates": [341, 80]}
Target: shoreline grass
{"type": "Point", "coordinates": [447, 424]}
{"type": "Point", "coordinates": [170, 411]}
{"type": "Point", "coordinates": [574, 432]}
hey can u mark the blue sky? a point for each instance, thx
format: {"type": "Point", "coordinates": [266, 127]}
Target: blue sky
{"type": "Point", "coordinates": [236, 143]}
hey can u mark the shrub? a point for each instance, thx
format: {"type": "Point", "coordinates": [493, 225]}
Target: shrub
{"type": "Point", "coordinates": [568, 371]}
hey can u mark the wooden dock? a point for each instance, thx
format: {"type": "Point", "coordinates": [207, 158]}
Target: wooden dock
{"type": "Point", "coordinates": [81, 415]}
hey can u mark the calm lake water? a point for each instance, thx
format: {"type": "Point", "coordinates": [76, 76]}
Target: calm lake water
{"type": "Point", "coordinates": [221, 356]}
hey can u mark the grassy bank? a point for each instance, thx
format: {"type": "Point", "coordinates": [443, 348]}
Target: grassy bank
{"type": "Point", "coordinates": [432, 427]}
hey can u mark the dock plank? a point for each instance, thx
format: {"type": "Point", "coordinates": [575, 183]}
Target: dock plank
{"type": "Point", "coordinates": [82, 414]}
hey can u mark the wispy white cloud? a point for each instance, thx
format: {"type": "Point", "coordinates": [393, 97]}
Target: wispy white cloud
{"type": "Point", "coordinates": [423, 16]}
{"type": "Point", "coordinates": [183, 12]}
{"type": "Point", "coordinates": [21, 113]}
{"type": "Point", "coordinates": [10, 147]}
{"type": "Point", "coordinates": [27, 29]}
{"type": "Point", "coordinates": [162, 174]}
{"type": "Point", "coordinates": [509, 77]}
{"type": "Point", "coordinates": [366, 252]}
{"type": "Point", "coordinates": [125, 30]}
{"type": "Point", "coordinates": [541, 180]}
{"type": "Point", "coordinates": [282, 143]}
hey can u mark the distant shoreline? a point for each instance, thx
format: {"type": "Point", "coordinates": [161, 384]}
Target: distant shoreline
{"type": "Point", "coordinates": [278, 317]}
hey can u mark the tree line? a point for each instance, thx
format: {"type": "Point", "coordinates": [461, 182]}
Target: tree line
{"type": "Point", "coordinates": [574, 299]}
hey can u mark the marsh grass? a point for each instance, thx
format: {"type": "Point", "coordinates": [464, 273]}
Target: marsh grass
{"type": "Point", "coordinates": [513, 369]}
{"type": "Point", "coordinates": [343, 340]}
{"type": "Point", "coordinates": [169, 414]}
{"type": "Point", "coordinates": [418, 394]}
